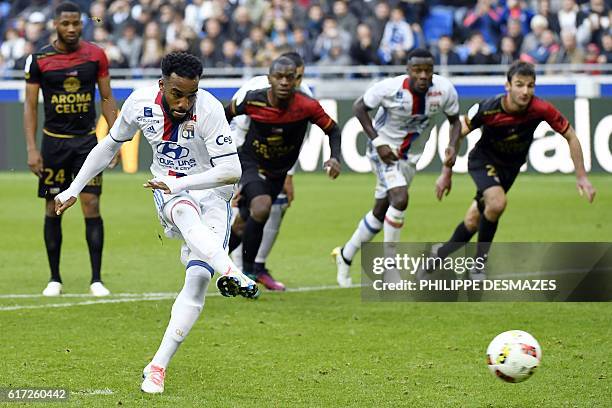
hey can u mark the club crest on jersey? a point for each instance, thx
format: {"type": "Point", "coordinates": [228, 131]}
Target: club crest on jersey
{"type": "Point", "coordinates": [399, 96]}
{"type": "Point", "coordinates": [148, 112]}
{"type": "Point", "coordinates": [72, 84]}
{"type": "Point", "coordinates": [188, 131]}
{"type": "Point", "coordinates": [172, 150]}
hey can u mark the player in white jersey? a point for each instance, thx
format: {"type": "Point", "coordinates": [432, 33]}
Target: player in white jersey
{"type": "Point", "coordinates": [195, 165]}
{"type": "Point", "coordinates": [239, 127]}
{"type": "Point", "coordinates": [405, 104]}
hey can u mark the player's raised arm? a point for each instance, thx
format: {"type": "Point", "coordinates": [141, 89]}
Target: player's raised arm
{"type": "Point", "coordinates": [583, 184]}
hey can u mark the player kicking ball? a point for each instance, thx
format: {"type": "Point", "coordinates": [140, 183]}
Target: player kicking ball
{"type": "Point", "coordinates": [507, 122]}
{"type": "Point", "coordinates": [194, 167]}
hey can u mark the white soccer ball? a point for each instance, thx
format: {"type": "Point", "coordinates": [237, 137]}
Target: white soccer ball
{"type": "Point", "coordinates": [513, 356]}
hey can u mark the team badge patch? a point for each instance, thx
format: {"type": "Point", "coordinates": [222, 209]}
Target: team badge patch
{"type": "Point", "coordinates": [148, 112]}
{"type": "Point", "coordinates": [188, 131]}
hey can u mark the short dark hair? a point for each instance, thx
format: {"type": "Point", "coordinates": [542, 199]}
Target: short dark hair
{"type": "Point", "coordinates": [295, 57]}
{"type": "Point", "coordinates": [67, 7]}
{"type": "Point", "coordinates": [521, 68]}
{"type": "Point", "coordinates": [182, 64]}
{"type": "Point", "coordinates": [419, 53]}
{"type": "Point", "coordinates": [281, 62]}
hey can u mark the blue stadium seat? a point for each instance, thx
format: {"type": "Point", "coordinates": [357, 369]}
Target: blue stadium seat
{"type": "Point", "coordinates": [439, 22]}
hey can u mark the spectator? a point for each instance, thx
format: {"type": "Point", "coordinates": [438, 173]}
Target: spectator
{"type": "Point", "coordinates": [256, 9]}
{"type": "Point", "coordinates": [414, 10]}
{"type": "Point", "coordinates": [252, 45]}
{"type": "Point", "coordinates": [606, 52]}
{"type": "Point", "coordinates": [314, 21]}
{"type": "Point", "coordinates": [229, 56]}
{"type": "Point", "coordinates": [485, 19]}
{"type": "Point", "coordinates": [175, 28]}
{"type": "Point", "coordinates": [28, 49]}
{"type": "Point", "coordinates": [514, 31]}
{"type": "Point", "coordinates": [363, 51]}
{"type": "Point", "coordinates": [569, 52]}
{"type": "Point", "coordinates": [196, 13]}
{"type": "Point", "coordinates": [346, 21]}
{"type": "Point", "coordinates": [331, 36]}
{"type": "Point", "coordinates": [213, 30]}
{"type": "Point", "coordinates": [444, 54]}
{"type": "Point", "coordinates": [152, 51]}
{"type": "Point", "coordinates": [97, 17]}
{"type": "Point", "coordinates": [539, 24]}
{"type": "Point", "coordinates": [592, 55]}
{"type": "Point", "coordinates": [378, 22]}
{"type": "Point", "coordinates": [595, 24]}
{"type": "Point", "coordinates": [397, 39]}
{"type": "Point", "coordinates": [35, 30]}
{"type": "Point", "coordinates": [546, 47]}
{"type": "Point", "coordinates": [508, 52]}
{"type": "Point", "coordinates": [569, 16]}
{"type": "Point", "coordinates": [517, 10]}
{"type": "Point", "coordinates": [130, 44]}
{"type": "Point", "coordinates": [118, 15]}
{"type": "Point", "coordinates": [302, 45]}
{"type": "Point", "coordinates": [336, 57]}
{"type": "Point", "coordinates": [166, 16]}
{"type": "Point", "coordinates": [209, 54]}
{"type": "Point", "coordinates": [479, 51]}
{"type": "Point", "coordinates": [552, 18]}
{"type": "Point", "coordinates": [241, 25]}
{"type": "Point", "coordinates": [12, 48]}
{"type": "Point", "coordinates": [280, 28]}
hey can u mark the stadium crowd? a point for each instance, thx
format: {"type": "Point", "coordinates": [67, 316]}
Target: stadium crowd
{"type": "Point", "coordinates": [251, 33]}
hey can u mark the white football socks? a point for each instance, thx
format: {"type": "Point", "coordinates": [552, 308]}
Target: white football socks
{"type": "Point", "coordinates": [368, 227]}
{"type": "Point", "coordinates": [270, 232]}
{"type": "Point", "coordinates": [185, 312]}
{"type": "Point", "coordinates": [394, 221]}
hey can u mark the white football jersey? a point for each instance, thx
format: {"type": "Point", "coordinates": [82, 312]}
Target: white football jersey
{"type": "Point", "coordinates": [179, 149]}
{"type": "Point", "coordinates": [403, 116]}
{"type": "Point", "coordinates": [240, 124]}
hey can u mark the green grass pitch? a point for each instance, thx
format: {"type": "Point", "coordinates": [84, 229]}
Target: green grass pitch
{"type": "Point", "coordinates": [322, 348]}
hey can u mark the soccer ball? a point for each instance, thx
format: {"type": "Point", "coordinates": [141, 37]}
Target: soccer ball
{"type": "Point", "coordinates": [513, 356]}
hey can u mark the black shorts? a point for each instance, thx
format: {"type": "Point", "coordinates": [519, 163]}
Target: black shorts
{"type": "Point", "coordinates": [486, 173]}
{"type": "Point", "coordinates": [254, 183]}
{"type": "Point", "coordinates": [62, 160]}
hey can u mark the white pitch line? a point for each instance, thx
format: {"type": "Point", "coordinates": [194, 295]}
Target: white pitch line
{"type": "Point", "coordinates": [139, 297]}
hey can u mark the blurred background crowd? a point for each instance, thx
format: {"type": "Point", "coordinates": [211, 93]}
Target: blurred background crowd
{"type": "Point", "coordinates": [250, 33]}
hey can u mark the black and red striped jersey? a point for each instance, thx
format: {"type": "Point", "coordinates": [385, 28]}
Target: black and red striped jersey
{"type": "Point", "coordinates": [275, 135]}
{"type": "Point", "coordinates": [68, 83]}
{"type": "Point", "coordinates": [506, 137]}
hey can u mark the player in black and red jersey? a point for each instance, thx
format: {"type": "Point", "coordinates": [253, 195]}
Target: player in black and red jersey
{"type": "Point", "coordinates": [507, 123]}
{"type": "Point", "coordinates": [67, 71]}
{"type": "Point", "coordinates": [279, 119]}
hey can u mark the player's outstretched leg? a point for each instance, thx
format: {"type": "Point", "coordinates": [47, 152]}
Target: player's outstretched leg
{"type": "Point", "coordinates": [206, 246]}
{"type": "Point", "coordinates": [185, 312]}
{"type": "Point", "coordinates": [367, 228]}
